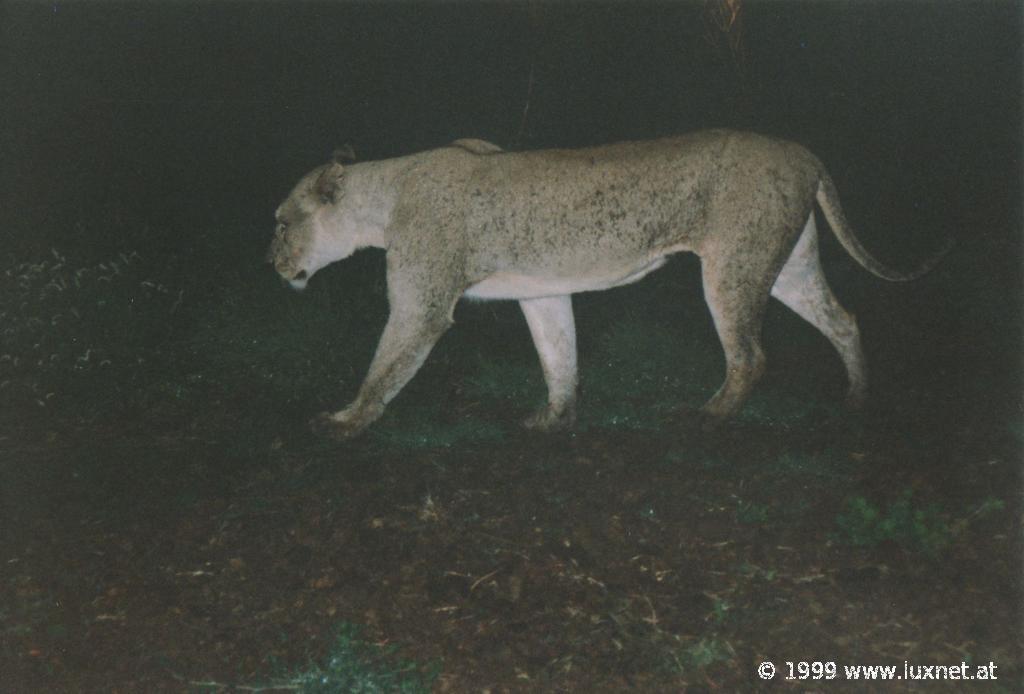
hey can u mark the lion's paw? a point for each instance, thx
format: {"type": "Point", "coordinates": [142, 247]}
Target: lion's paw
{"type": "Point", "coordinates": [325, 424]}
{"type": "Point", "coordinates": [548, 419]}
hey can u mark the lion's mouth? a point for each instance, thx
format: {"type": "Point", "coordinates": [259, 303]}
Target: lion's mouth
{"type": "Point", "coordinates": [299, 280]}
{"type": "Point", "coordinates": [295, 279]}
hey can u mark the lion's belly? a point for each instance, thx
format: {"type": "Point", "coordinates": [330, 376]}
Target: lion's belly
{"type": "Point", "coordinates": [508, 285]}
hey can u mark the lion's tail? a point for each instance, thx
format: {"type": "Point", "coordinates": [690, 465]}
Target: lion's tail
{"type": "Point", "coordinates": [828, 200]}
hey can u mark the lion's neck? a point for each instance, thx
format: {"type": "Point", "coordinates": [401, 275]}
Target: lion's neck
{"type": "Point", "coordinates": [371, 194]}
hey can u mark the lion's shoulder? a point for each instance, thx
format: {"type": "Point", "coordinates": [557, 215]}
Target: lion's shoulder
{"type": "Point", "coordinates": [476, 146]}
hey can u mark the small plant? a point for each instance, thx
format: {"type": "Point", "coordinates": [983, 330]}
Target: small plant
{"type": "Point", "coordinates": [720, 610]}
{"type": "Point", "coordinates": [708, 651]}
{"type": "Point", "coordinates": [924, 529]}
{"type": "Point", "coordinates": [697, 656]}
{"type": "Point", "coordinates": [756, 572]}
{"type": "Point", "coordinates": [751, 513]}
{"type": "Point", "coordinates": [356, 666]}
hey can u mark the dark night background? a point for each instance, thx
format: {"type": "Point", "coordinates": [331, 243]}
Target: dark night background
{"type": "Point", "coordinates": [197, 113]}
{"type": "Point", "coordinates": [172, 130]}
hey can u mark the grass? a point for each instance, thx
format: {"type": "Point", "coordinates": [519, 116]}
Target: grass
{"type": "Point", "coordinates": [69, 329]}
{"type": "Point", "coordinates": [864, 524]}
{"type": "Point", "coordinates": [921, 528]}
{"type": "Point", "coordinates": [751, 513]}
{"type": "Point", "coordinates": [352, 666]}
{"type": "Point", "coordinates": [699, 655]}
{"type": "Point", "coordinates": [358, 667]}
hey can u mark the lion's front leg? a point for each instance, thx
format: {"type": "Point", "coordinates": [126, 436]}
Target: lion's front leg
{"type": "Point", "coordinates": [404, 345]}
{"type": "Point", "coordinates": [554, 334]}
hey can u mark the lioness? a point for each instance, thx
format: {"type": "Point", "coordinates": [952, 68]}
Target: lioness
{"type": "Point", "coordinates": [472, 220]}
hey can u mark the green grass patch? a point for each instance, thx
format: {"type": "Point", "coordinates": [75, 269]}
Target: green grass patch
{"type": "Point", "coordinates": [922, 528]}
{"type": "Point", "coordinates": [700, 654]}
{"type": "Point", "coordinates": [756, 572]}
{"type": "Point", "coordinates": [353, 665]}
{"type": "Point", "coordinates": [750, 513]}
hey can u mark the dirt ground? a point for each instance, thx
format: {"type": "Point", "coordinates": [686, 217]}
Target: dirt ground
{"type": "Point", "coordinates": [668, 560]}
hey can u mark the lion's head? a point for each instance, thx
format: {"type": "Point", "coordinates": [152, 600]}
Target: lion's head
{"type": "Point", "coordinates": [310, 231]}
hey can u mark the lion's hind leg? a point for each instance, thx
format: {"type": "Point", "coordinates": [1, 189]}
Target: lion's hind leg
{"type": "Point", "coordinates": [737, 273]}
{"type": "Point", "coordinates": [801, 285]}
{"type": "Point", "coordinates": [737, 311]}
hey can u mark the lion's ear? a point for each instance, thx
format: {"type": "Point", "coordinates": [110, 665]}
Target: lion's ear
{"type": "Point", "coordinates": [344, 155]}
{"type": "Point", "coordinates": [328, 183]}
